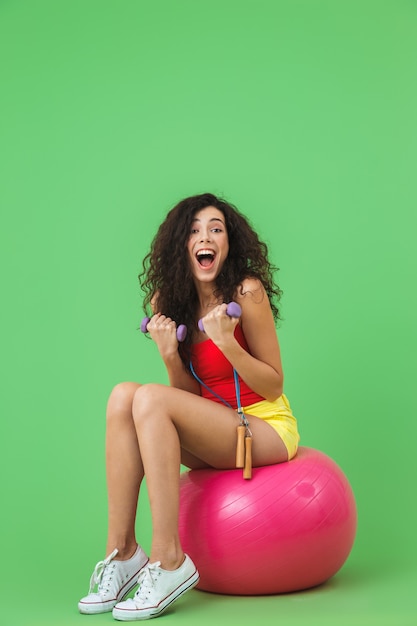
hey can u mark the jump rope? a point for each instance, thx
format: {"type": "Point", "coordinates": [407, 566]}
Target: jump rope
{"type": "Point", "coordinates": [244, 434]}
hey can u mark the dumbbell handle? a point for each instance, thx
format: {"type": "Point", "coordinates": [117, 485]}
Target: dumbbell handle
{"type": "Point", "coordinates": [233, 310]}
{"type": "Point", "coordinates": [181, 330]}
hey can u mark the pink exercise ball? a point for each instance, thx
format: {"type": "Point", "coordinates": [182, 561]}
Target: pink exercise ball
{"type": "Point", "coordinates": [290, 527]}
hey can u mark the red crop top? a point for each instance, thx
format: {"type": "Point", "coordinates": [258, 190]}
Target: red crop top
{"type": "Point", "coordinates": [216, 372]}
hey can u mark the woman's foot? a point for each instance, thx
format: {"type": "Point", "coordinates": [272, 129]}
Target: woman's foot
{"type": "Point", "coordinates": [158, 589]}
{"type": "Point", "coordinates": [111, 582]}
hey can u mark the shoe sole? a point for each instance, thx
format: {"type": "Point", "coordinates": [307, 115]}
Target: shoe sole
{"type": "Point", "coordinates": [96, 609]}
{"type": "Point", "coordinates": [124, 615]}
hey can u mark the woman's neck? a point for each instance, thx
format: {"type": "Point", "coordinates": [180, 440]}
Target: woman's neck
{"type": "Point", "coordinates": [206, 297]}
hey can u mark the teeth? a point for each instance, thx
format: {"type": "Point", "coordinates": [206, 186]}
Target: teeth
{"type": "Point", "coordinates": [210, 252]}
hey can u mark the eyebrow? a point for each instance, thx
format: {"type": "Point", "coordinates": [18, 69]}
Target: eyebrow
{"type": "Point", "coordinates": [213, 219]}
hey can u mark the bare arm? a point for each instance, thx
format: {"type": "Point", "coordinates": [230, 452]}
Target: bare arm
{"type": "Point", "coordinates": [261, 369]}
{"type": "Point", "coordinates": [163, 331]}
{"type": "Point", "coordinates": [179, 377]}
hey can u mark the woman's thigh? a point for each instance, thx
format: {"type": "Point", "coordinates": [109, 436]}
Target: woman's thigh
{"type": "Point", "coordinates": [207, 429]}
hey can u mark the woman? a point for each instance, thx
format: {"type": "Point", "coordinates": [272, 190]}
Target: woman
{"type": "Point", "coordinates": [204, 256]}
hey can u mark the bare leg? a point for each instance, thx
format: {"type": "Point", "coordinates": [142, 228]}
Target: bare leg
{"type": "Point", "coordinates": [124, 471]}
{"type": "Point", "coordinates": [162, 456]}
{"type": "Point", "coordinates": [168, 420]}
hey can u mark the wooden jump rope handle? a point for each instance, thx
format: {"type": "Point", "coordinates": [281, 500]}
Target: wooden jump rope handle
{"type": "Point", "coordinates": [247, 470]}
{"type": "Point", "coordinates": [240, 447]}
{"type": "Point", "coordinates": [244, 452]}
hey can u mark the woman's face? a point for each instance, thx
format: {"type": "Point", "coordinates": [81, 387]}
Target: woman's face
{"type": "Point", "coordinates": [208, 244]}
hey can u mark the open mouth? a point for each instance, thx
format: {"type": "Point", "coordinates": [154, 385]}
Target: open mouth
{"type": "Point", "coordinates": [205, 258]}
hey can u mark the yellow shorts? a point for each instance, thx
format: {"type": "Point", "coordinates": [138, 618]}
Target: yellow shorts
{"type": "Point", "coordinates": [279, 415]}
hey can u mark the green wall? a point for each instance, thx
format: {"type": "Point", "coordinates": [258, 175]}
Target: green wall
{"type": "Point", "coordinates": [303, 113]}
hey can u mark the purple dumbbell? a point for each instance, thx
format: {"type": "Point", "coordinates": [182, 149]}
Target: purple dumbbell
{"type": "Point", "coordinates": [233, 310]}
{"type": "Point", "coordinates": [181, 330]}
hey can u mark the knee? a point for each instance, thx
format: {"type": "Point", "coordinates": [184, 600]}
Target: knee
{"type": "Point", "coordinates": [121, 400]}
{"type": "Point", "coordinates": [148, 401]}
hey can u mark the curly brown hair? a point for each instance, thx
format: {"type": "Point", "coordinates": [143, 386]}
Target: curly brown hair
{"type": "Point", "coordinates": [167, 280]}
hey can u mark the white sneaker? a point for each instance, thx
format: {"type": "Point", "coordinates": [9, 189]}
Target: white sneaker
{"type": "Point", "coordinates": [158, 588]}
{"type": "Point", "coordinates": [114, 580]}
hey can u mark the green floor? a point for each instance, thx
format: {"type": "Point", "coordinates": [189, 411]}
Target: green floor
{"type": "Point", "coordinates": [357, 595]}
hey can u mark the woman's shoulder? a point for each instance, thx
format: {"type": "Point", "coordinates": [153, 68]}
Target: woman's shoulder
{"type": "Point", "coordinates": [250, 286]}
{"type": "Point", "coordinates": [252, 297]}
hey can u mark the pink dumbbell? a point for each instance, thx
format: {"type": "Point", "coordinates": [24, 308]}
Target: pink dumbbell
{"type": "Point", "coordinates": [181, 330]}
{"type": "Point", "coordinates": [233, 310]}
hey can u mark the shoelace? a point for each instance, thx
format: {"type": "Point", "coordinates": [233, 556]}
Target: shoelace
{"type": "Point", "coordinates": [102, 574]}
{"type": "Point", "coordinates": [146, 580]}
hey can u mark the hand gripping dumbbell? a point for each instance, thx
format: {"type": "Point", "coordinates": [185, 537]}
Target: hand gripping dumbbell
{"type": "Point", "coordinates": [233, 310]}
{"type": "Point", "coordinates": [181, 330]}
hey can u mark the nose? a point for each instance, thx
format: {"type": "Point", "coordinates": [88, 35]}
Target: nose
{"type": "Point", "coordinates": [205, 236]}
